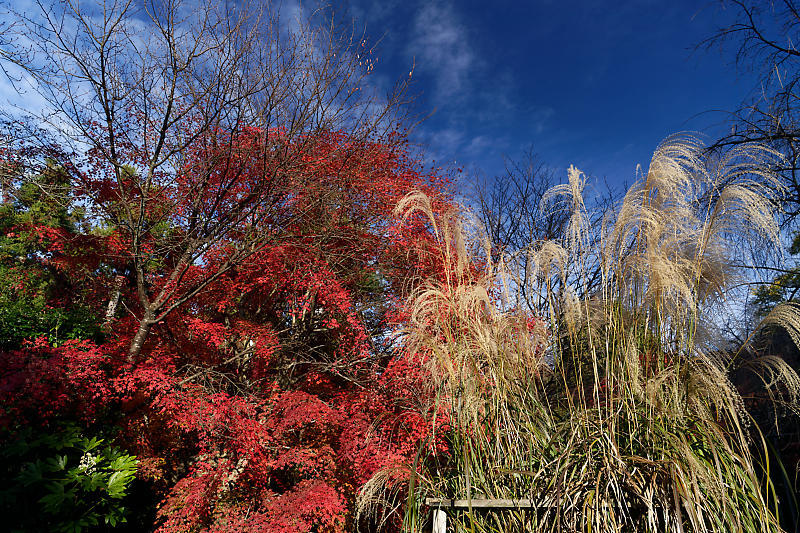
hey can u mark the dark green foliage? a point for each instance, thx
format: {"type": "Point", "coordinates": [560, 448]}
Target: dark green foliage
{"type": "Point", "coordinates": [62, 480]}
{"type": "Point", "coordinates": [785, 287]}
{"type": "Point", "coordinates": [33, 290]}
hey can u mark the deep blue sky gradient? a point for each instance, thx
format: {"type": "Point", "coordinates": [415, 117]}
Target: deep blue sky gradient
{"type": "Point", "coordinates": [597, 84]}
{"type": "Point", "coordinates": [594, 83]}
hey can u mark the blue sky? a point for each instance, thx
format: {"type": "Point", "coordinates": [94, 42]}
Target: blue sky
{"type": "Point", "coordinates": [597, 84]}
{"type": "Point", "coordinates": [593, 83]}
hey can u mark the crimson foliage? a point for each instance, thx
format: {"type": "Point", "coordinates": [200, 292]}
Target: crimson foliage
{"type": "Point", "coordinates": [266, 388]}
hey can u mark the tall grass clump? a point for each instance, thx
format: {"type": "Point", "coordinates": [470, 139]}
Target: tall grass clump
{"type": "Point", "coordinates": [614, 410]}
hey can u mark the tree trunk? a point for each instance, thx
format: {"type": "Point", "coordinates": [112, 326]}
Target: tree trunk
{"type": "Point", "coordinates": [138, 341]}
{"type": "Point", "coordinates": [114, 300]}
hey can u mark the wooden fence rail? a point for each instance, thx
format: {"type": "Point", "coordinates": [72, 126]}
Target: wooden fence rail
{"type": "Point", "coordinates": [486, 504]}
{"type": "Point", "coordinates": [439, 504]}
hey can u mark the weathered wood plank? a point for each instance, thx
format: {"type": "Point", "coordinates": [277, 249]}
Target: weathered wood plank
{"type": "Point", "coordinates": [484, 503]}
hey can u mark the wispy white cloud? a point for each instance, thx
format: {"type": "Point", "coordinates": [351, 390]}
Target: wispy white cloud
{"type": "Point", "coordinates": [441, 46]}
{"type": "Point", "coordinates": [540, 117]}
{"type": "Point", "coordinates": [375, 12]}
{"type": "Point", "coordinates": [478, 145]}
{"type": "Point", "coordinates": [445, 142]}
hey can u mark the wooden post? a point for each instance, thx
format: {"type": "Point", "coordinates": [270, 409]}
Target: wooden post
{"type": "Point", "coordinates": [439, 521]}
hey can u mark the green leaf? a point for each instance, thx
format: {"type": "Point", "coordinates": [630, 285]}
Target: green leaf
{"type": "Point", "coordinates": [92, 444]}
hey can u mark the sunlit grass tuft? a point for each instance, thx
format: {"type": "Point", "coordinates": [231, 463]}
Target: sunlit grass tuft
{"type": "Point", "coordinates": [614, 412]}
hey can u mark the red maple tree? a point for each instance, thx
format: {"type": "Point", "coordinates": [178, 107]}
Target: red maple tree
{"type": "Point", "coordinates": [249, 356]}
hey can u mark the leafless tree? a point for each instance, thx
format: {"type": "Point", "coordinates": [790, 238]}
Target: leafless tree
{"type": "Point", "coordinates": [509, 204]}
{"type": "Point", "coordinates": [159, 96]}
{"type": "Point", "coordinates": [764, 37]}
{"type": "Point", "coordinates": [509, 208]}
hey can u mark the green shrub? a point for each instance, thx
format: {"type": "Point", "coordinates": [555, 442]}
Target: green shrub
{"type": "Point", "coordinates": [63, 481]}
